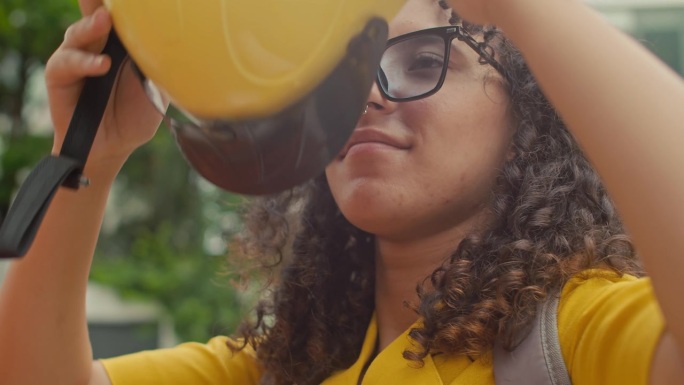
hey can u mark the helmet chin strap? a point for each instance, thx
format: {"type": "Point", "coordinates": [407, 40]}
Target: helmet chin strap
{"type": "Point", "coordinates": [26, 213]}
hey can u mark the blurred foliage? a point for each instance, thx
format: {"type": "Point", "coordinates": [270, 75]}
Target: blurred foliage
{"type": "Point", "coordinates": [30, 30]}
{"type": "Point", "coordinates": [154, 240]}
{"type": "Point", "coordinates": [185, 282]}
{"type": "Point", "coordinates": [157, 248]}
{"type": "Point", "coordinates": [22, 150]}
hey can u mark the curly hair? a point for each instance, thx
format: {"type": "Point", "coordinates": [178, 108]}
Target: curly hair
{"type": "Point", "coordinates": [553, 220]}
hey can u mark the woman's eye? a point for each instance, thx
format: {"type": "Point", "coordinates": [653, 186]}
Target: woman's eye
{"type": "Point", "coordinates": [425, 61]}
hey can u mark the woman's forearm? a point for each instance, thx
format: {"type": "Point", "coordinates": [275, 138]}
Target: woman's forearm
{"type": "Point", "coordinates": [626, 109]}
{"type": "Point", "coordinates": [43, 326]}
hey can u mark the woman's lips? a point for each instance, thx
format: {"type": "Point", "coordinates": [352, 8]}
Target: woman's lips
{"type": "Point", "coordinates": [373, 138]}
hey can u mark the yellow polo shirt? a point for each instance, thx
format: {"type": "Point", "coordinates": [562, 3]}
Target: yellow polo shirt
{"type": "Point", "coordinates": [608, 330]}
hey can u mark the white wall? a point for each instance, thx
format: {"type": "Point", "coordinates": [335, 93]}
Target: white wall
{"type": "Point", "coordinates": [103, 305]}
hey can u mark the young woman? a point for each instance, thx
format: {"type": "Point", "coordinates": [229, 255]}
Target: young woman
{"type": "Point", "coordinates": [455, 209]}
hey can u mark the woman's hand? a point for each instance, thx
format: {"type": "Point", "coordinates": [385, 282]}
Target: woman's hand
{"type": "Point", "coordinates": [129, 120]}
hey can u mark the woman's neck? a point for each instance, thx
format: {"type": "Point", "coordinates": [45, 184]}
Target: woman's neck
{"type": "Point", "coordinates": [400, 266]}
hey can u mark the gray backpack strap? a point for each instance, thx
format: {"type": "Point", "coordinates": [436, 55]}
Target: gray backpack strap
{"type": "Point", "coordinates": [538, 359]}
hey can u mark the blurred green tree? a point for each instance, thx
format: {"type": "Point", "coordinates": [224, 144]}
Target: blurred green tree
{"type": "Point", "coordinates": [162, 237]}
{"type": "Point", "coordinates": [166, 242]}
{"type": "Point", "coordinates": [30, 30]}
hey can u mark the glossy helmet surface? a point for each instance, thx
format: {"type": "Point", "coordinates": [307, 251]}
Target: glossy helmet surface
{"type": "Point", "coordinates": [275, 86]}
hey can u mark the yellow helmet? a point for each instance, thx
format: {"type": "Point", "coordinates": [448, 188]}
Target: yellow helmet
{"type": "Point", "coordinates": [268, 90]}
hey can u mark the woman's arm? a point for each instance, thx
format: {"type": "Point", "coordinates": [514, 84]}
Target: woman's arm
{"type": "Point", "coordinates": [43, 326]}
{"type": "Point", "coordinates": [626, 109]}
{"type": "Point", "coordinates": [43, 329]}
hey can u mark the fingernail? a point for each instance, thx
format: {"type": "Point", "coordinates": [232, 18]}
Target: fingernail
{"type": "Point", "coordinates": [96, 60]}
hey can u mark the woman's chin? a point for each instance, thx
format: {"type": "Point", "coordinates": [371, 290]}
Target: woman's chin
{"type": "Point", "coordinates": [372, 216]}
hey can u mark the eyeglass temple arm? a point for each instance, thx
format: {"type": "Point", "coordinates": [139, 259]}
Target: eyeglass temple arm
{"type": "Point", "coordinates": [484, 50]}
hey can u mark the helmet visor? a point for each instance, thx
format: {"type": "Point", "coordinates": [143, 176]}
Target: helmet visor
{"type": "Point", "coordinates": [270, 154]}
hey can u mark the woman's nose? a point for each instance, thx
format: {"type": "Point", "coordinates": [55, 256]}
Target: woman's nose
{"type": "Point", "coordinates": [377, 103]}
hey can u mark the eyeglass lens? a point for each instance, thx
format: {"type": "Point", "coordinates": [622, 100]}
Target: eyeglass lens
{"type": "Point", "coordinates": [412, 67]}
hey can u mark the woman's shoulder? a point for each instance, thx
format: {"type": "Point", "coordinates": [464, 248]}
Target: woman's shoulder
{"type": "Point", "coordinates": [599, 278]}
{"type": "Point", "coordinates": [604, 297]}
{"type": "Point", "coordinates": [602, 312]}
{"type": "Point", "coordinates": [187, 363]}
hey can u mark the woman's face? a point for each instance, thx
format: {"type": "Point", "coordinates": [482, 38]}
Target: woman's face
{"type": "Point", "coordinates": [429, 165]}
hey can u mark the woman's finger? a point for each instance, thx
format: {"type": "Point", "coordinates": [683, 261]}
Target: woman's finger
{"type": "Point", "coordinates": [88, 7]}
{"type": "Point", "coordinates": [68, 66]}
{"type": "Point", "coordinates": [90, 32]}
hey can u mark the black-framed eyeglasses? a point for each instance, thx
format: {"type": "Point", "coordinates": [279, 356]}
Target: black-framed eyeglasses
{"type": "Point", "coordinates": [414, 65]}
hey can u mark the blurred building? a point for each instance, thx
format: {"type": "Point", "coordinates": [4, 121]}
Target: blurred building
{"type": "Point", "coordinates": [119, 327]}
{"type": "Point", "coordinates": [658, 24]}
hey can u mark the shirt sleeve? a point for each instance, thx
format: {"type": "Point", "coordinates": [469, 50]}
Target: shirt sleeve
{"type": "Point", "coordinates": [187, 364]}
{"type": "Point", "coordinates": [609, 327]}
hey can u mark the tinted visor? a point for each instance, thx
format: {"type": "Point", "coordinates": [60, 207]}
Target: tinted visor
{"type": "Point", "coordinates": [271, 154]}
